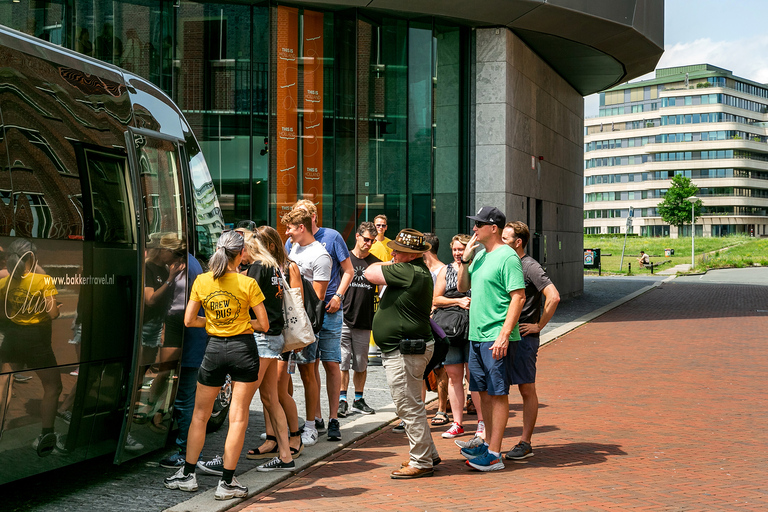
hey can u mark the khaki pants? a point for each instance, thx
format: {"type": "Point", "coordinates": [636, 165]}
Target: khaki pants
{"type": "Point", "coordinates": [405, 374]}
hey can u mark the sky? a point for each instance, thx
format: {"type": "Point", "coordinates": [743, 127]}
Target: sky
{"type": "Point", "coordinates": [730, 35]}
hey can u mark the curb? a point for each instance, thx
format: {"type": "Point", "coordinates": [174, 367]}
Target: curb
{"type": "Point", "coordinates": [570, 326]}
{"type": "Point", "coordinates": [258, 482]}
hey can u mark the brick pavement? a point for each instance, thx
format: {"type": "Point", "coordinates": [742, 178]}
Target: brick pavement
{"type": "Point", "coordinates": [659, 404]}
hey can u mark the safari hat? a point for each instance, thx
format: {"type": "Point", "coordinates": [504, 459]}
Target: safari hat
{"type": "Point", "coordinates": [409, 240]}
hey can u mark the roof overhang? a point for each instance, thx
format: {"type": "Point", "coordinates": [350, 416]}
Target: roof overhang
{"type": "Point", "coordinates": [593, 44]}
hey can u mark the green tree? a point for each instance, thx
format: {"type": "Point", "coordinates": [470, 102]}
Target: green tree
{"type": "Point", "coordinates": [675, 210]}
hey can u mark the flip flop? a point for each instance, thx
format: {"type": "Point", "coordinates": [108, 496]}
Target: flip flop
{"type": "Point", "coordinates": [440, 418]}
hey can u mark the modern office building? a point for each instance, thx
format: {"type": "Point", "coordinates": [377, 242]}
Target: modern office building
{"type": "Point", "coordinates": [699, 121]}
{"type": "Point", "coordinates": [423, 110]}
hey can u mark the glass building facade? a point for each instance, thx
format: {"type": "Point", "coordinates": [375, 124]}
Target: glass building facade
{"type": "Point", "coordinates": [361, 112]}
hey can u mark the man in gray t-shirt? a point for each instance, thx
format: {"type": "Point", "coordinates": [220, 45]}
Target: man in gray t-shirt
{"type": "Point", "coordinates": [315, 265]}
{"type": "Point", "coordinates": [532, 321]}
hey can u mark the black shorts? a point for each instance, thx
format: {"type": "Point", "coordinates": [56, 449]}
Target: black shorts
{"type": "Point", "coordinates": [237, 356]}
{"type": "Point", "coordinates": [27, 346]}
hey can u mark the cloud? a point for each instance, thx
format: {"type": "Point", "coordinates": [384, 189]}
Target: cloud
{"type": "Point", "coordinates": [745, 57]}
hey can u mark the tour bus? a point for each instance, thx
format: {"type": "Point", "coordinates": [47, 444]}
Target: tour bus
{"type": "Point", "coordinates": [104, 193]}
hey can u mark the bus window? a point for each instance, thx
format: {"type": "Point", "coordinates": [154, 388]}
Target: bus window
{"type": "Point", "coordinates": [109, 197]}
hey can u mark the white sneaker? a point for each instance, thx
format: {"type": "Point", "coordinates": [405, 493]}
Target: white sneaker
{"type": "Point", "coordinates": [181, 481]}
{"type": "Point", "coordinates": [309, 436]}
{"type": "Point", "coordinates": [480, 429]}
{"type": "Point", "coordinates": [226, 491]}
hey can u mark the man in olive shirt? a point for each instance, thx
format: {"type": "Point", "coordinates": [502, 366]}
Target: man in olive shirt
{"type": "Point", "coordinates": [401, 329]}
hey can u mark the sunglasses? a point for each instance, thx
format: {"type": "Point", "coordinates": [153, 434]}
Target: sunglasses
{"type": "Point", "coordinates": [367, 240]}
{"type": "Point", "coordinates": [479, 224]}
{"type": "Point", "coordinates": [381, 225]}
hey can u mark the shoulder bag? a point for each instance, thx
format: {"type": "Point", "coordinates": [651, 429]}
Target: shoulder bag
{"type": "Point", "coordinates": [455, 322]}
{"type": "Point", "coordinates": [297, 331]}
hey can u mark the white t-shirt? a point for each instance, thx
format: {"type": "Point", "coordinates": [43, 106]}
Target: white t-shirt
{"type": "Point", "coordinates": [313, 261]}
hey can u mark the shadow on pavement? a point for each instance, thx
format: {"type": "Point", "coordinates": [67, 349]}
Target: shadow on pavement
{"type": "Point", "coordinates": [570, 455]}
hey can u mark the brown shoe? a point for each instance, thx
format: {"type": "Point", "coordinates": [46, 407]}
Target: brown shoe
{"type": "Point", "coordinates": [435, 462]}
{"type": "Point", "coordinates": [411, 472]}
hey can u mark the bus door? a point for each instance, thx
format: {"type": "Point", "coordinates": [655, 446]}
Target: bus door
{"type": "Point", "coordinates": [162, 228]}
{"type": "Point", "coordinates": [104, 322]}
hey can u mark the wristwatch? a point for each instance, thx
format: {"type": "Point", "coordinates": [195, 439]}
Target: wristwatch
{"type": "Point", "coordinates": [466, 262]}
{"type": "Point", "coordinates": [340, 296]}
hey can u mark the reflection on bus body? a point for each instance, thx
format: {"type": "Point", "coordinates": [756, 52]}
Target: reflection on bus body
{"type": "Point", "coordinates": [28, 310]}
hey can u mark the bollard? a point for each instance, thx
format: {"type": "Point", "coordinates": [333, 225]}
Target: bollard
{"type": "Point", "coordinates": [629, 269]}
{"type": "Point", "coordinates": [651, 264]}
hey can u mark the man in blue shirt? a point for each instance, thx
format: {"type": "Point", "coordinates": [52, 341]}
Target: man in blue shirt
{"type": "Point", "coordinates": [329, 346]}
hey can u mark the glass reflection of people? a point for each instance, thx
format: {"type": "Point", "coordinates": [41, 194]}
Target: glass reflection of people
{"type": "Point", "coordinates": [108, 47]}
{"type": "Point", "coordinates": [29, 305]}
{"type": "Point", "coordinates": [83, 42]}
{"type": "Point", "coordinates": [195, 340]}
{"type": "Point", "coordinates": [162, 267]}
{"type": "Point", "coordinates": [226, 296]}
{"type": "Point", "coordinates": [131, 57]}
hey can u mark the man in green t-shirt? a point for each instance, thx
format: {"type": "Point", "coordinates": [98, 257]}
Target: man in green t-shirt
{"type": "Point", "coordinates": [402, 331]}
{"type": "Point", "coordinates": [498, 295]}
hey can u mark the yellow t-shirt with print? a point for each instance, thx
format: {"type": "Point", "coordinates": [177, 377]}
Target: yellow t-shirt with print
{"type": "Point", "coordinates": [28, 300]}
{"type": "Point", "coordinates": [381, 251]}
{"type": "Point", "coordinates": [226, 302]}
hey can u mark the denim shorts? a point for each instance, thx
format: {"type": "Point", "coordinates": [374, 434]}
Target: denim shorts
{"type": "Point", "coordinates": [524, 360]}
{"type": "Point", "coordinates": [488, 374]}
{"type": "Point", "coordinates": [237, 356]}
{"type": "Point", "coordinates": [457, 355]}
{"type": "Point", "coordinates": [327, 346]}
{"type": "Point", "coordinates": [270, 347]}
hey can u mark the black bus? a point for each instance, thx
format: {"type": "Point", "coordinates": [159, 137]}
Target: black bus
{"type": "Point", "coordinates": [102, 183]}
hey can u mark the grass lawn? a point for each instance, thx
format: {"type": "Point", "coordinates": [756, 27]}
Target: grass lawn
{"type": "Point", "coordinates": [744, 255]}
{"type": "Point", "coordinates": [757, 249]}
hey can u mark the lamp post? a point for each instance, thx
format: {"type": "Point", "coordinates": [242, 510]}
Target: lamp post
{"type": "Point", "coordinates": [626, 231]}
{"type": "Point", "coordinates": [692, 200]}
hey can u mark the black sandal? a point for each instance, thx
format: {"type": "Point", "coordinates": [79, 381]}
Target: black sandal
{"type": "Point", "coordinates": [255, 453]}
{"type": "Point", "coordinates": [295, 452]}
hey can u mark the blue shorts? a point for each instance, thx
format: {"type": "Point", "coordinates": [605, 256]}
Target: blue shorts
{"type": "Point", "coordinates": [327, 347]}
{"type": "Point", "coordinates": [270, 347]}
{"type": "Point", "coordinates": [237, 356]}
{"type": "Point", "coordinates": [457, 355]}
{"type": "Point", "coordinates": [524, 360]}
{"type": "Point", "coordinates": [488, 374]}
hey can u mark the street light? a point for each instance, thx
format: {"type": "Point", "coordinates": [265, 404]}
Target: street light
{"type": "Point", "coordinates": [692, 200]}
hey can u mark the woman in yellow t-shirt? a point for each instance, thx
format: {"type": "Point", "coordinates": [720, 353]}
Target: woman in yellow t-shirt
{"type": "Point", "coordinates": [226, 296]}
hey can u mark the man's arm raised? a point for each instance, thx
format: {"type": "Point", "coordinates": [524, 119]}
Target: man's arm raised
{"type": "Point", "coordinates": [464, 283]}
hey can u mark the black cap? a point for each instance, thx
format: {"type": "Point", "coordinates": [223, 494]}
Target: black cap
{"type": "Point", "coordinates": [490, 215]}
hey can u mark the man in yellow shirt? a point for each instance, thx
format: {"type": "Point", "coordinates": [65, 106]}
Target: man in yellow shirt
{"type": "Point", "coordinates": [379, 247]}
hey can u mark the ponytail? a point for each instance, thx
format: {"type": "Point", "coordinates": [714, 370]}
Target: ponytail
{"type": "Point", "coordinates": [230, 244]}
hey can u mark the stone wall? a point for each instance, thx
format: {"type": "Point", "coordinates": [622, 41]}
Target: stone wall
{"type": "Point", "coordinates": [529, 146]}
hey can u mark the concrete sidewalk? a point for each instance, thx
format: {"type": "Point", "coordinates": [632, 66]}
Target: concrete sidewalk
{"type": "Point", "coordinates": [657, 404]}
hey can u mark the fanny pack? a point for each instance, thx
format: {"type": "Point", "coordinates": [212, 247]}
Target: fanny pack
{"type": "Point", "coordinates": [413, 346]}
